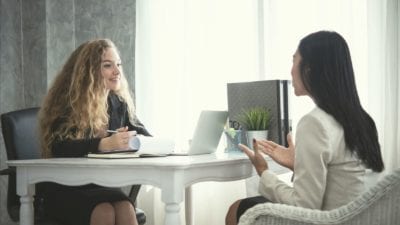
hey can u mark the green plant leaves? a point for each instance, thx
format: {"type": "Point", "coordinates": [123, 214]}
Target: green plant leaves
{"type": "Point", "coordinates": [256, 118]}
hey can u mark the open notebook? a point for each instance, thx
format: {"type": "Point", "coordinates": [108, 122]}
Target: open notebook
{"type": "Point", "coordinates": [206, 137]}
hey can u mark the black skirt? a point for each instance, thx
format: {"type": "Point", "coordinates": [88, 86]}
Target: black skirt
{"type": "Point", "coordinates": [73, 205]}
{"type": "Point", "coordinates": [247, 203]}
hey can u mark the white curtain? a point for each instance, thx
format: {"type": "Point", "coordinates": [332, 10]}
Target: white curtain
{"type": "Point", "coordinates": [187, 50]}
{"type": "Point", "coordinates": [383, 76]}
{"type": "Point", "coordinates": [286, 22]}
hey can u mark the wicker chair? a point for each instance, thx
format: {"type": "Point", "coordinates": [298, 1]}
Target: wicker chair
{"type": "Point", "coordinates": [380, 205]}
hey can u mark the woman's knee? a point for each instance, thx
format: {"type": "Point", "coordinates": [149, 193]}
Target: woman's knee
{"type": "Point", "coordinates": [231, 216]}
{"type": "Point", "coordinates": [103, 213]}
{"type": "Point", "coordinates": [234, 207]}
{"type": "Point", "coordinates": [123, 206]}
{"type": "Point", "coordinates": [124, 213]}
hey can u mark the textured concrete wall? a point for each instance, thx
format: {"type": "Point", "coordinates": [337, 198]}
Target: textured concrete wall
{"type": "Point", "coordinates": [37, 36]}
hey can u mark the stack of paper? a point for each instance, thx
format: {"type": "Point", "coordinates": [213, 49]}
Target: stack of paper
{"type": "Point", "coordinates": [140, 146]}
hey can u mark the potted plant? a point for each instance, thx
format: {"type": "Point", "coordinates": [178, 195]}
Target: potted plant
{"type": "Point", "coordinates": [256, 121]}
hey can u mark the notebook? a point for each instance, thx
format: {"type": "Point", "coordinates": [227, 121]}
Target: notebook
{"type": "Point", "coordinates": [207, 133]}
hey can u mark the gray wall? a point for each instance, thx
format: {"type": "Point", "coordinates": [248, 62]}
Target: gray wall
{"type": "Point", "coordinates": [36, 37]}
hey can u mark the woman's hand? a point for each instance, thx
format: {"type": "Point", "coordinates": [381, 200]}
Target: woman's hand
{"type": "Point", "coordinates": [117, 141]}
{"type": "Point", "coordinates": [282, 155]}
{"type": "Point", "coordinates": [256, 158]}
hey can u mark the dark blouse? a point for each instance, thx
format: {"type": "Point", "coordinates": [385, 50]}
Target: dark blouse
{"type": "Point", "coordinates": [119, 117]}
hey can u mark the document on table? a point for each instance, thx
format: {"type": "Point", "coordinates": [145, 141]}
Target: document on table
{"type": "Point", "coordinates": [140, 146]}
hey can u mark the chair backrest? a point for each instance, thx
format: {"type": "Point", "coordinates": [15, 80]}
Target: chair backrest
{"type": "Point", "coordinates": [20, 133]}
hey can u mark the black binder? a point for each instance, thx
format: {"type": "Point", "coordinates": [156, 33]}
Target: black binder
{"type": "Point", "coordinates": [271, 94]}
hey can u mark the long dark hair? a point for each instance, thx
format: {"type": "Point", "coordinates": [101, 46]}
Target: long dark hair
{"type": "Point", "coordinates": [328, 76]}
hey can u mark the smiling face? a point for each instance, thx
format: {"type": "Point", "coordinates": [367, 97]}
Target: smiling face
{"type": "Point", "coordinates": [297, 83]}
{"type": "Point", "coordinates": [111, 69]}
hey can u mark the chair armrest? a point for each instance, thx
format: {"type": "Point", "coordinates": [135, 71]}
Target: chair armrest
{"type": "Point", "coordinates": [7, 171]}
{"type": "Point", "coordinates": [385, 193]}
{"type": "Point", "coordinates": [274, 213]}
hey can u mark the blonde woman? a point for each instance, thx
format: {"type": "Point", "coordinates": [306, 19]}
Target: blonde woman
{"type": "Point", "coordinates": [88, 97]}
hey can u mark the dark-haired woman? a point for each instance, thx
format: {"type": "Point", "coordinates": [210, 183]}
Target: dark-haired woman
{"type": "Point", "coordinates": [335, 143]}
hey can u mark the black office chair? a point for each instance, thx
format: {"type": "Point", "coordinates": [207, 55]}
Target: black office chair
{"type": "Point", "coordinates": [20, 138]}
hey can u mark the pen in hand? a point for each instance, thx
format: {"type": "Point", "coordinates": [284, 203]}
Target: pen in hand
{"type": "Point", "coordinates": [116, 131]}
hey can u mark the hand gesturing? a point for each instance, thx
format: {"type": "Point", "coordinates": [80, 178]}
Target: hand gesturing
{"type": "Point", "coordinates": [282, 155]}
{"type": "Point", "coordinates": [256, 158]}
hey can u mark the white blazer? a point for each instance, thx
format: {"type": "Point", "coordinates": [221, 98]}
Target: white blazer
{"type": "Point", "coordinates": [327, 175]}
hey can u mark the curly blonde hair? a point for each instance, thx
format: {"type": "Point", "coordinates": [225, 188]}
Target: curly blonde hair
{"type": "Point", "coordinates": [76, 104]}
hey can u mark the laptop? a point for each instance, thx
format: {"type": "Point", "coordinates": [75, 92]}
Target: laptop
{"type": "Point", "coordinates": [207, 133]}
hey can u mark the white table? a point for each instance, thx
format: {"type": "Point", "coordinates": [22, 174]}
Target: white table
{"type": "Point", "coordinates": [171, 174]}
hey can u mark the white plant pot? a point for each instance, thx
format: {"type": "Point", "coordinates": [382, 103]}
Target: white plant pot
{"type": "Point", "coordinates": [255, 134]}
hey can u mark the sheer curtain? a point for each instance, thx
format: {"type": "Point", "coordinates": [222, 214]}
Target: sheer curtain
{"type": "Point", "coordinates": [286, 22]}
{"type": "Point", "coordinates": [187, 50]}
{"type": "Point", "coordinates": [383, 76]}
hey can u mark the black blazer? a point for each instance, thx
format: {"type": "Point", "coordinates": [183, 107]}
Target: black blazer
{"type": "Point", "coordinates": [119, 117]}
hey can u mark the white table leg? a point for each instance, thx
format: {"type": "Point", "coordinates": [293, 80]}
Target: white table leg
{"type": "Point", "coordinates": [172, 192]}
{"type": "Point", "coordinates": [172, 214]}
{"type": "Point", "coordinates": [26, 192]}
{"type": "Point", "coordinates": [26, 210]}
